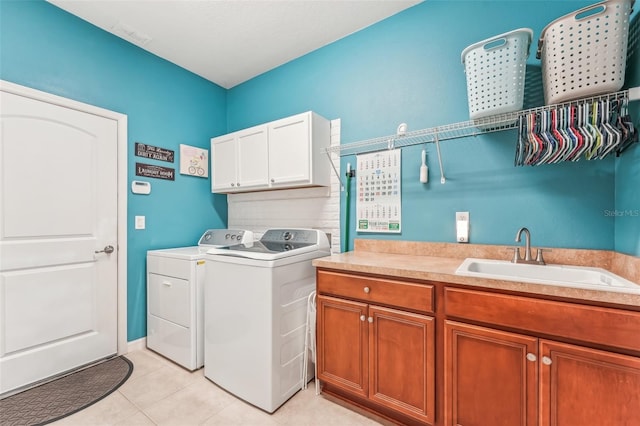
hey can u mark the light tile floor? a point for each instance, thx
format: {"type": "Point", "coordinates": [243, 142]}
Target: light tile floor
{"type": "Point", "coordinates": [160, 392]}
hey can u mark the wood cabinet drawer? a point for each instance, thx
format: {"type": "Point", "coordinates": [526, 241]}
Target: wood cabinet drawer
{"type": "Point", "coordinates": [604, 326]}
{"type": "Point", "coordinates": [412, 296]}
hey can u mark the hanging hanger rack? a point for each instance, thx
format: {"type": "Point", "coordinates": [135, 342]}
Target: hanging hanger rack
{"type": "Point", "coordinates": [463, 129]}
{"type": "Point", "coordinates": [495, 123]}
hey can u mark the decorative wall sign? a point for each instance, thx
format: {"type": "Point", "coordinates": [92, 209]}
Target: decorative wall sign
{"type": "Point", "coordinates": [194, 161]}
{"type": "Point", "coordinates": [154, 152]}
{"type": "Point", "coordinates": [158, 172]}
{"type": "Point", "coordinates": [378, 206]}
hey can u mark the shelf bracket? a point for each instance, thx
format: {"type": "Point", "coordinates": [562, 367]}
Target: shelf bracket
{"type": "Point", "coordinates": [437, 142]}
{"type": "Point", "coordinates": [333, 166]}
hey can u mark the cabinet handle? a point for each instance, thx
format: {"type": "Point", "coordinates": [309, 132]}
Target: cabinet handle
{"type": "Point", "coordinates": [531, 357]}
{"type": "Point", "coordinates": [233, 184]}
{"type": "Point", "coordinates": [546, 360]}
{"type": "Point", "coordinates": [238, 184]}
{"type": "Point", "coordinates": [370, 319]}
{"type": "Point", "coordinates": [367, 290]}
{"type": "Point", "coordinates": [362, 317]}
{"type": "Point", "coordinates": [272, 180]}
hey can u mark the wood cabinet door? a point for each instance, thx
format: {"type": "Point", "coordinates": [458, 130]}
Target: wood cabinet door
{"type": "Point", "coordinates": [290, 150]}
{"type": "Point", "coordinates": [401, 362]}
{"type": "Point", "coordinates": [342, 342]}
{"type": "Point", "coordinates": [582, 386]}
{"type": "Point", "coordinates": [223, 163]}
{"type": "Point", "coordinates": [490, 377]}
{"type": "Point", "coordinates": [252, 157]}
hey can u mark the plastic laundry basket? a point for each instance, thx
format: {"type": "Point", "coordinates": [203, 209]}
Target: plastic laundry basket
{"type": "Point", "coordinates": [584, 53]}
{"type": "Point", "coordinates": [495, 70]}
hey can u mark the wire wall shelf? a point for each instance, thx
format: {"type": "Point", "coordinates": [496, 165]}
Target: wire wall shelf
{"type": "Point", "coordinates": [464, 129]}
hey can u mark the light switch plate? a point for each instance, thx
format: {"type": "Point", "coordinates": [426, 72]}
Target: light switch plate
{"type": "Point", "coordinates": [140, 222]}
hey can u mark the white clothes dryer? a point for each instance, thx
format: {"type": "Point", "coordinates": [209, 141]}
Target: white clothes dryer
{"type": "Point", "coordinates": [255, 314]}
{"type": "Point", "coordinates": [175, 312]}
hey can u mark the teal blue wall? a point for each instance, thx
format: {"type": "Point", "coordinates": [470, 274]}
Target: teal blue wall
{"type": "Point", "coordinates": [45, 48]}
{"type": "Point", "coordinates": [408, 69]}
{"type": "Point", "coordinates": [627, 210]}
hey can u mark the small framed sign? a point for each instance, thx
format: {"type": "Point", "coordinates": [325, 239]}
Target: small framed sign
{"type": "Point", "coordinates": [154, 153]}
{"type": "Point", "coordinates": [194, 161]}
{"type": "Point", "coordinates": [158, 172]}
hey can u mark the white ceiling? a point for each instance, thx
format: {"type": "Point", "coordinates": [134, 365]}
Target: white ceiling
{"type": "Point", "coordinates": [231, 41]}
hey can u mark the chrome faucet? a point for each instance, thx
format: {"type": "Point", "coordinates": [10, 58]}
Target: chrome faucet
{"type": "Point", "coordinates": [527, 247]}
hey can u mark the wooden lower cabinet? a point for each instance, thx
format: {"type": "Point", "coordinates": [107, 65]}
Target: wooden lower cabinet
{"type": "Point", "coordinates": [490, 377]}
{"type": "Point", "coordinates": [343, 343]}
{"type": "Point", "coordinates": [583, 386]}
{"type": "Point", "coordinates": [494, 377]}
{"type": "Point", "coordinates": [384, 355]}
{"type": "Point", "coordinates": [502, 359]}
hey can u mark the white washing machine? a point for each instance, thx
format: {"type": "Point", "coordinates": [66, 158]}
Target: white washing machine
{"type": "Point", "coordinates": [175, 314]}
{"type": "Point", "coordinates": [255, 314]}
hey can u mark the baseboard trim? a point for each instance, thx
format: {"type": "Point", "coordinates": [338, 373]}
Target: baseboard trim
{"type": "Point", "coordinates": [137, 345]}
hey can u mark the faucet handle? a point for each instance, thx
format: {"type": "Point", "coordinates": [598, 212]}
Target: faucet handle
{"type": "Point", "coordinates": [539, 258]}
{"type": "Point", "coordinates": [516, 254]}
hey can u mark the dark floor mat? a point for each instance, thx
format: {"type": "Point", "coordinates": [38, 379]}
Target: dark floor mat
{"type": "Point", "coordinates": [64, 396]}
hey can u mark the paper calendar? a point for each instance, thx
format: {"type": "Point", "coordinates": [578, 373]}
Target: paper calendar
{"type": "Point", "coordinates": [378, 205]}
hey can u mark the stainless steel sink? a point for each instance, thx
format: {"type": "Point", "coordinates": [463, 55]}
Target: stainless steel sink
{"type": "Point", "coordinates": [563, 275]}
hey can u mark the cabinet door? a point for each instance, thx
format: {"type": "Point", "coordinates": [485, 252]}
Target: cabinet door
{"type": "Point", "coordinates": [223, 163]}
{"type": "Point", "coordinates": [402, 364]}
{"type": "Point", "coordinates": [252, 155]}
{"type": "Point", "coordinates": [342, 339]}
{"type": "Point", "coordinates": [289, 150]}
{"type": "Point", "coordinates": [581, 386]}
{"type": "Point", "coordinates": [490, 377]}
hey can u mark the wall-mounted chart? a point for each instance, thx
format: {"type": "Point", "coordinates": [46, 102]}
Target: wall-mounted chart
{"type": "Point", "coordinates": [378, 205]}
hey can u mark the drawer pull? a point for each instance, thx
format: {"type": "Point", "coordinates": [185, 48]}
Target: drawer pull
{"type": "Point", "coordinates": [367, 290]}
{"type": "Point", "coordinates": [531, 357]}
{"type": "Point", "coordinates": [370, 319]}
{"type": "Point", "coordinates": [546, 360]}
{"type": "Point", "coordinates": [166, 283]}
{"type": "Point", "coordinates": [362, 317]}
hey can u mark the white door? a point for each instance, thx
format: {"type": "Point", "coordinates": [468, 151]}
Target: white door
{"type": "Point", "coordinates": [58, 210]}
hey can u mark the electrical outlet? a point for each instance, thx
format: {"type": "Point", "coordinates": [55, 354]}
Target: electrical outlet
{"type": "Point", "coordinates": [464, 216]}
{"type": "Point", "coordinates": [462, 227]}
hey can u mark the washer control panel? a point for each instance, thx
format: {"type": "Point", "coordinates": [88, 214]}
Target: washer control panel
{"type": "Point", "coordinates": [225, 237]}
{"type": "Point", "coordinates": [308, 236]}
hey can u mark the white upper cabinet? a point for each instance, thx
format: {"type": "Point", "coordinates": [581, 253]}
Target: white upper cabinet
{"type": "Point", "coordinates": [251, 157]}
{"type": "Point", "coordinates": [239, 160]}
{"type": "Point", "coordinates": [286, 153]}
{"type": "Point", "coordinates": [223, 173]}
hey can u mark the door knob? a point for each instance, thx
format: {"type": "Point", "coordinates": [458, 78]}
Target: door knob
{"type": "Point", "coordinates": [107, 249]}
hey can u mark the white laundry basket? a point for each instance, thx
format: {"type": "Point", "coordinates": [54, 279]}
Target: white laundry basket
{"type": "Point", "coordinates": [584, 53]}
{"type": "Point", "coordinates": [495, 70]}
